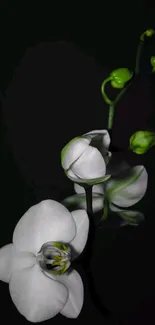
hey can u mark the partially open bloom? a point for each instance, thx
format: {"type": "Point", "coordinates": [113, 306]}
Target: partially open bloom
{"type": "Point", "coordinates": [84, 158]}
{"type": "Point", "coordinates": [123, 189]}
{"type": "Point", "coordinates": [142, 141]}
{"type": "Point", "coordinates": [45, 241]}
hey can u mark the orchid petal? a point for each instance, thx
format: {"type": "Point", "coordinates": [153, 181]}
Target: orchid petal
{"type": "Point", "coordinates": [130, 217]}
{"type": "Point", "coordinates": [79, 189]}
{"type": "Point", "coordinates": [36, 296]}
{"type": "Point", "coordinates": [73, 177]}
{"type": "Point", "coordinates": [73, 150]}
{"type": "Point", "coordinates": [97, 189]}
{"type": "Point", "coordinates": [90, 164]}
{"type": "Point", "coordinates": [103, 134]}
{"type": "Point", "coordinates": [73, 283]}
{"type": "Point", "coordinates": [82, 227]}
{"type": "Point", "coordinates": [128, 187]}
{"type": "Point", "coordinates": [76, 294]}
{"type": "Point", "coordinates": [43, 222]}
{"type": "Point", "coordinates": [78, 201]}
{"type": "Point", "coordinates": [7, 254]}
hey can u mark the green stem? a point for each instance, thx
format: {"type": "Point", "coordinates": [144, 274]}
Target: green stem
{"type": "Point", "coordinates": [106, 98]}
{"type": "Point", "coordinates": [88, 255]}
{"type": "Point", "coordinates": [112, 106]}
{"type": "Point", "coordinates": [105, 210]}
{"type": "Point", "coordinates": [138, 55]}
{"type": "Point", "coordinates": [111, 116]}
{"type": "Point", "coordinates": [88, 191]}
{"type": "Point", "coordinates": [119, 96]}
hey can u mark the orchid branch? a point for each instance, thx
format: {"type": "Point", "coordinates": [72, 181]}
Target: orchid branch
{"type": "Point", "coordinates": [89, 250]}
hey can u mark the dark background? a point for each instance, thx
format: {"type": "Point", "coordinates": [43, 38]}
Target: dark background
{"type": "Point", "coordinates": [52, 63]}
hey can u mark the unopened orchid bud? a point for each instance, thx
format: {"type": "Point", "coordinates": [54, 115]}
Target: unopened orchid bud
{"type": "Point", "coordinates": [84, 158]}
{"type": "Point", "coordinates": [152, 60]}
{"type": "Point", "coordinates": [119, 77]}
{"type": "Point", "coordinates": [148, 33]}
{"type": "Point", "coordinates": [142, 141]}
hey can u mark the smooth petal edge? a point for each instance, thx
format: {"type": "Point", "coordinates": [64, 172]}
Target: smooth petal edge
{"type": "Point", "coordinates": [127, 221]}
{"type": "Point", "coordinates": [48, 220]}
{"type": "Point", "coordinates": [32, 292]}
{"type": "Point", "coordinates": [82, 227]}
{"type": "Point", "coordinates": [74, 304]}
{"type": "Point", "coordinates": [73, 150]}
{"type": "Point", "coordinates": [90, 165]}
{"type": "Point", "coordinates": [7, 255]}
{"type": "Point", "coordinates": [115, 190]}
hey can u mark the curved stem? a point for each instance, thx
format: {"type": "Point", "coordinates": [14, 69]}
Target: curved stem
{"type": "Point", "coordinates": [106, 98]}
{"type": "Point", "coordinates": [138, 55]}
{"type": "Point", "coordinates": [112, 106]}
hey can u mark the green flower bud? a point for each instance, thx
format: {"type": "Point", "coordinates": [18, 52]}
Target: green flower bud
{"type": "Point", "coordinates": [119, 77]}
{"type": "Point", "coordinates": [148, 33]}
{"type": "Point", "coordinates": [141, 141]}
{"type": "Point", "coordinates": [152, 60]}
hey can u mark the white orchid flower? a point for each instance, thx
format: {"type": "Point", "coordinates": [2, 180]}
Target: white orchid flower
{"type": "Point", "coordinates": [123, 189]}
{"type": "Point", "coordinates": [84, 158]}
{"type": "Point", "coordinates": [34, 264]}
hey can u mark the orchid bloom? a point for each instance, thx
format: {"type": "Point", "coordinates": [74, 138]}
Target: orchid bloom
{"type": "Point", "coordinates": [123, 189]}
{"type": "Point", "coordinates": [84, 158]}
{"type": "Point", "coordinates": [45, 240]}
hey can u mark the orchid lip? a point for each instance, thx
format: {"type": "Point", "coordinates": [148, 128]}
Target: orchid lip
{"type": "Point", "coordinates": [54, 257]}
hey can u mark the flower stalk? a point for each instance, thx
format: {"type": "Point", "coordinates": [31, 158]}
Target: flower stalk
{"type": "Point", "coordinates": [148, 33]}
{"type": "Point", "coordinates": [88, 255]}
{"type": "Point", "coordinates": [112, 106]}
{"type": "Point", "coordinates": [106, 98]}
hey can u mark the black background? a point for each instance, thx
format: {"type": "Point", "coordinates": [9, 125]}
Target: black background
{"type": "Point", "coordinates": [52, 63]}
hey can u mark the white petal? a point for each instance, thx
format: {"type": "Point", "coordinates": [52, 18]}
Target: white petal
{"type": "Point", "coordinates": [128, 187]}
{"type": "Point", "coordinates": [97, 202]}
{"type": "Point", "coordinates": [72, 176]}
{"type": "Point", "coordinates": [74, 284]}
{"type": "Point", "coordinates": [7, 254]}
{"type": "Point", "coordinates": [79, 189]}
{"type": "Point", "coordinates": [107, 155]}
{"type": "Point", "coordinates": [82, 227]}
{"type": "Point", "coordinates": [12, 259]}
{"type": "Point", "coordinates": [43, 222]}
{"type": "Point", "coordinates": [36, 296]}
{"type": "Point", "coordinates": [23, 260]}
{"type": "Point", "coordinates": [73, 150]}
{"type": "Point", "coordinates": [130, 217]}
{"type": "Point", "coordinates": [98, 189]}
{"type": "Point", "coordinates": [104, 135]}
{"type": "Point", "coordinates": [78, 201]}
{"type": "Point", "coordinates": [90, 164]}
